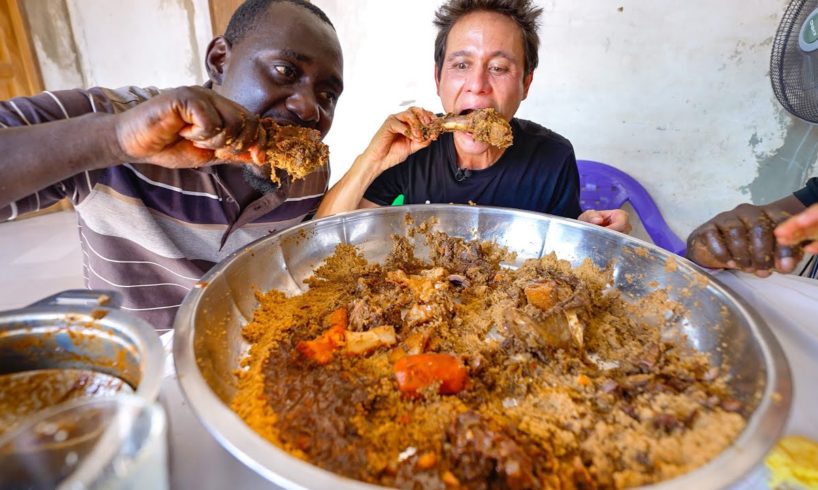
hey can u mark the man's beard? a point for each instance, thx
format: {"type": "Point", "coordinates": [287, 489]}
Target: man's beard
{"type": "Point", "coordinates": [263, 184]}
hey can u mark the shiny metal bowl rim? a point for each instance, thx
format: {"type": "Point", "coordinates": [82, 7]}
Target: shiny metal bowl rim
{"type": "Point", "coordinates": [137, 332]}
{"type": "Point", "coordinates": [287, 471]}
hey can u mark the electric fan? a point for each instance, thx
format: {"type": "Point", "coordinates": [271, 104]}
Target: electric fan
{"type": "Point", "coordinates": [794, 60]}
{"type": "Point", "coordinates": [794, 71]}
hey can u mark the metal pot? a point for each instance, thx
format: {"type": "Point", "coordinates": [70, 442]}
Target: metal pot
{"type": "Point", "coordinates": [84, 330]}
{"type": "Point", "coordinates": [208, 344]}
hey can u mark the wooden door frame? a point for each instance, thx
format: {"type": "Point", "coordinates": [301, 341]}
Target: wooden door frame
{"type": "Point", "coordinates": [220, 13]}
{"type": "Point", "coordinates": [30, 65]}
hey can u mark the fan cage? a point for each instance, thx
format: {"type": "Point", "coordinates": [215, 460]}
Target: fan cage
{"type": "Point", "coordinates": [793, 72]}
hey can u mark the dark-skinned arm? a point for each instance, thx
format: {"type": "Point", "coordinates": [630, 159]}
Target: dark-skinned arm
{"type": "Point", "coordinates": [180, 128]}
{"type": "Point", "coordinates": [73, 146]}
{"type": "Point", "coordinates": [744, 239]}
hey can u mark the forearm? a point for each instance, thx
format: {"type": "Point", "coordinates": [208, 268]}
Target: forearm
{"type": "Point", "coordinates": [348, 192]}
{"type": "Point", "coordinates": [34, 157]}
{"type": "Point", "coordinates": [789, 204]}
{"type": "Point", "coordinates": [743, 238]}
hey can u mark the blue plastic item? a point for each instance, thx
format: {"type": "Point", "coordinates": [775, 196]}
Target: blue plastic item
{"type": "Point", "coordinates": [606, 187]}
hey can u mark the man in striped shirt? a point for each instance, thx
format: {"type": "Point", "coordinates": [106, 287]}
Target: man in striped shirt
{"type": "Point", "coordinates": [154, 210]}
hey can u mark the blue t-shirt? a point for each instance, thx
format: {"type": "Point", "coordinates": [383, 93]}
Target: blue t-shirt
{"type": "Point", "coordinates": [537, 173]}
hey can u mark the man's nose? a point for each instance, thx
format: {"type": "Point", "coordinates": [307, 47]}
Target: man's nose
{"type": "Point", "coordinates": [304, 105]}
{"type": "Point", "coordinates": [478, 81]}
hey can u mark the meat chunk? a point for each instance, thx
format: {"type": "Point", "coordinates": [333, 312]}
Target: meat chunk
{"type": "Point", "coordinates": [486, 125]}
{"type": "Point", "coordinates": [560, 328]}
{"type": "Point", "coordinates": [322, 348]}
{"type": "Point", "coordinates": [556, 317]}
{"type": "Point", "coordinates": [482, 457]}
{"type": "Point", "coordinates": [534, 335]}
{"type": "Point", "coordinates": [295, 150]}
{"type": "Point", "coordinates": [542, 294]}
{"type": "Point", "coordinates": [424, 285]}
{"type": "Point", "coordinates": [360, 343]}
{"type": "Point", "coordinates": [364, 313]}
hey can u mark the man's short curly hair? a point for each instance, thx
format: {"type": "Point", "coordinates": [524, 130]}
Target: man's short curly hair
{"type": "Point", "coordinates": [246, 17]}
{"type": "Point", "coordinates": [522, 12]}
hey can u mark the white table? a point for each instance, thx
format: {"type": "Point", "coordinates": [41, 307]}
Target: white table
{"type": "Point", "coordinates": [42, 256]}
{"type": "Point", "coordinates": [789, 305]}
{"type": "Point", "coordinates": [197, 461]}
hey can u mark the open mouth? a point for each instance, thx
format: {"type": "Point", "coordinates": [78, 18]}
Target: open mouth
{"type": "Point", "coordinates": [285, 120]}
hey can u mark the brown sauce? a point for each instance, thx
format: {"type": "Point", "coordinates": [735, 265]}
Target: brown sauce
{"type": "Point", "coordinates": [25, 393]}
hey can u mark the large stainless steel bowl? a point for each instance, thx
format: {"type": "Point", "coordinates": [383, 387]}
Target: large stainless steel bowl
{"type": "Point", "coordinates": [208, 344]}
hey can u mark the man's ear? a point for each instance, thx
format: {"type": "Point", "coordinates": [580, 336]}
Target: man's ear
{"type": "Point", "coordinates": [217, 59]}
{"type": "Point", "coordinates": [527, 84]}
{"type": "Point", "coordinates": [437, 80]}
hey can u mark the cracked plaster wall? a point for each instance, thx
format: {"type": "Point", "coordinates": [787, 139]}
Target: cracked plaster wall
{"type": "Point", "coordinates": [119, 42]}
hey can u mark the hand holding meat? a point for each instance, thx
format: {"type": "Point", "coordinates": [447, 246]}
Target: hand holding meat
{"type": "Point", "coordinates": [801, 229]}
{"type": "Point", "coordinates": [296, 150]}
{"type": "Point", "coordinates": [183, 127]}
{"type": "Point", "coordinates": [486, 125]}
{"type": "Point", "coordinates": [398, 137]}
{"type": "Point", "coordinates": [193, 126]}
{"type": "Point", "coordinates": [743, 239]}
{"type": "Point", "coordinates": [414, 129]}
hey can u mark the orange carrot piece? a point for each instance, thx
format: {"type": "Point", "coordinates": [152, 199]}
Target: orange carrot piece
{"type": "Point", "coordinates": [322, 348]}
{"type": "Point", "coordinates": [339, 317]}
{"type": "Point", "coordinates": [421, 370]}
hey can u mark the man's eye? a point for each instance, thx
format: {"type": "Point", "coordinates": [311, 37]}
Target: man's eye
{"type": "Point", "coordinates": [284, 70]}
{"type": "Point", "coordinates": [498, 69]}
{"type": "Point", "coordinates": [462, 65]}
{"type": "Point", "coordinates": [330, 96]}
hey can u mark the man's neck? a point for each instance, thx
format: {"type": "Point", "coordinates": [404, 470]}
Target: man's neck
{"type": "Point", "coordinates": [479, 161]}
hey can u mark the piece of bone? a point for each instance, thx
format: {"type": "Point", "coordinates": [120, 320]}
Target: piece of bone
{"type": "Point", "coordinates": [486, 125]}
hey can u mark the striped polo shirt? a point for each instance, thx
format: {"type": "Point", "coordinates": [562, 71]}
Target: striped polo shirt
{"type": "Point", "coordinates": [147, 231]}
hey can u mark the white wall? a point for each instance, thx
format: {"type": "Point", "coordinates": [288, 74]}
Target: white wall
{"type": "Point", "coordinates": [157, 37]}
{"type": "Point", "coordinates": [113, 43]}
{"type": "Point", "coordinates": [675, 93]}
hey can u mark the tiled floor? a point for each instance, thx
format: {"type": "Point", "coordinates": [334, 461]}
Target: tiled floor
{"type": "Point", "coordinates": [39, 257]}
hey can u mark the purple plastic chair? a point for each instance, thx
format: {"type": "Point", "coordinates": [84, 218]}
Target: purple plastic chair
{"type": "Point", "coordinates": [606, 187]}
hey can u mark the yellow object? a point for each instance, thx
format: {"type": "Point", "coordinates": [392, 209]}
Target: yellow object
{"type": "Point", "coordinates": [793, 462]}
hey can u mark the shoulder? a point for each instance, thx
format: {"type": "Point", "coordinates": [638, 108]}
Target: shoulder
{"type": "Point", "coordinates": [538, 143]}
{"type": "Point", "coordinates": [95, 96]}
{"type": "Point", "coordinates": [129, 93]}
{"type": "Point", "coordinates": [534, 133]}
{"type": "Point", "coordinates": [120, 99]}
{"type": "Point", "coordinates": [808, 195]}
{"type": "Point", "coordinates": [64, 104]}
